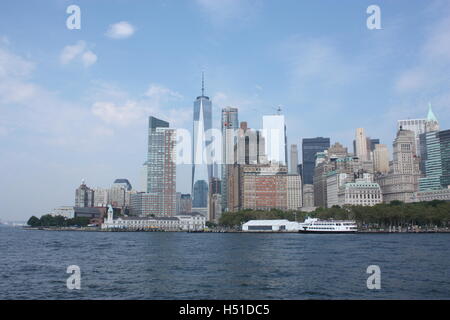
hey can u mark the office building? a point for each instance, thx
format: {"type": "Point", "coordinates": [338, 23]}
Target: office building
{"type": "Point", "coordinates": [381, 158]}
{"type": "Point", "coordinates": [310, 146]}
{"type": "Point", "coordinates": [274, 133]}
{"type": "Point", "coordinates": [293, 163]}
{"type": "Point", "coordinates": [229, 126]}
{"type": "Point", "coordinates": [161, 179]}
{"type": "Point", "coordinates": [201, 140]}
{"type": "Point", "coordinates": [84, 196]}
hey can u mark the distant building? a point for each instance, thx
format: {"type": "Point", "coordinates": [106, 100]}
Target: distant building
{"type": "Point", "coordinates": [293, 163]}
{"type": "Point", "coordinates": [200, 199]}
{"type": "Point", "coordinates": [185, 203]}
{"type": "Point", "coordinates": [308, 196]}
{"type": "Point", "coordinates": [361, 145]}
{"type": "Point", "coordinates": [230, 124]}
{"type": "Point", "coordinates": [381, 158]}
{"type": "Point", "coordinates": [161, 178]}
{"type": "Point", "coordinates": [84, 196]}
{"type": "Point", "coordinates": [101, 197]}
{"type": "Point", "coordinates": [250, 146]}
{"type": "Point", "coordinates": [274, 133]}
{"type": "Point", "coordinates": [360, 193]}
{"type": "Point", "coordinates": [123, 183]}
{"type": "Point", "coordinates": [263, 187]}
{"type": "Point", "coordinates": [64, 211]}
{"type": "Point", "coordinates": [402, 181]}
{"type": "Point", "coordinates": [311, 146]}
{"type": "Point", "coordinates": [294, 192]}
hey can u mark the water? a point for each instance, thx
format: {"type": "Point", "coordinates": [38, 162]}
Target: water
{"type": "Point", "coordinates": [222, 266]}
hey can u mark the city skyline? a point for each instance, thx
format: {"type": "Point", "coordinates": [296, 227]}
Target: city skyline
{"type": "Point", "coordinates": [49, 134]}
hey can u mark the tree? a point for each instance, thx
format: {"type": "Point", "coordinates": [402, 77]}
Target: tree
{"type": "Point", "coordinates": [34, 222]}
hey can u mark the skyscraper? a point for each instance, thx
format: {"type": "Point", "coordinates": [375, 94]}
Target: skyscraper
{"type": "Point", "coordinates": [310, 146]}
{"type": "Point", "coordinates": [293, 163]}
{"type": "Point", "coordinates": [274, 133]}
{"type": "Point", "coordinates": [161, 173]}
{"type": "Point", "coordinates": [84, 196]}
{"type": "Point", "coordinates": [418, 126]}
{"type": "Point", "coordinates": [201, 139]}
{"type": "Point", "coordinates": [229, 125]}
{"type": "Point", "coordinates": [402, 181]}
{"type": "Point", "coordinates": [361, 149]}
{"type": "Point", "coordinates": [381, 158]}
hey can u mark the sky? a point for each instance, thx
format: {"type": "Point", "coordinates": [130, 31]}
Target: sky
{"type": "Point", "coordinates": [74, 103]}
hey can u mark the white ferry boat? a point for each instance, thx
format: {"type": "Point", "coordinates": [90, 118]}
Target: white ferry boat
{"type": "Point", "coordinates": [312, 225]}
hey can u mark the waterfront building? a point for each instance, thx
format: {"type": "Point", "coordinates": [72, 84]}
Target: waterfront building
{"type": "Point", "coordinates": [201, 140]}
{"type": "Point", "coordinates": [270, 226]}
{"type": "Point", "coordinates": [84, 196]}
{"type": "Point", "coordinates": [293, 163]}
{"type": "Point", "coordinates": [310, 146]}
{"type": "Point", "coordinates": [143, 204]}
{"type": "Point", "coordinates": [229, 126]}
{"type": "Point", "coordinates": [274, 133]}
{"type": "Point", "coordinates": [161, 179]}
{"type": "Point", "coordinates": [181, 222]}
{"type": "Point", "coordinates": [381, 158]}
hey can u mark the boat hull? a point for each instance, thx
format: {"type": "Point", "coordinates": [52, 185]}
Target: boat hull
{"type": "Point", "coordinates": [326, 232]}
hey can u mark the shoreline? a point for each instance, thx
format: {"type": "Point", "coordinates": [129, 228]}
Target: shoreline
{"type": "Point", "coordinates": [369, 231]}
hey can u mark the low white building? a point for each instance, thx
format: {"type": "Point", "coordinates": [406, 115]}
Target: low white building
{"type": "Point", "coordinates": [182, 222]}
{"type": "Point", "coordinates": [271, 226]}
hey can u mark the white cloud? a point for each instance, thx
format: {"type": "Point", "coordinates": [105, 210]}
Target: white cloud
{"type": "Point", "coordinates": [78, 51]}
{"type": "Point", "coordinates": [121, 110]}
{"type": "Point", "coordinates": [120, 30]}
{"type": "Point", "coordinates": [223, 11]}
{"type": "Point", "coordinates": [121, 115]}
{"type": "Point", "coordinates": [89, 58]}
{"type": "Point", "coordinates": [161, 93]}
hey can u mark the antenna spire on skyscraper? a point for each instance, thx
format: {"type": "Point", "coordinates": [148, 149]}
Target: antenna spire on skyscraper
{"type": "Point", "coordinates": [203, 83]}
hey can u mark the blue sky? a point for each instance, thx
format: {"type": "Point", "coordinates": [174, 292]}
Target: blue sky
{"type": "Point", "coordinates": [74, 103]}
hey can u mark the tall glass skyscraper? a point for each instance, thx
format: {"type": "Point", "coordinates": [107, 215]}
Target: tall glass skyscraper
{"type": "Point", "coordinates": [310, 146]}
{"type": "Point", "coordinates": [201, 139]}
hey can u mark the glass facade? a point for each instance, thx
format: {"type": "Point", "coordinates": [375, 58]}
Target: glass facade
{"type": "Point", "coordinates": [310, 146]}
{"type": "Point", "coordinates": [201, 139]}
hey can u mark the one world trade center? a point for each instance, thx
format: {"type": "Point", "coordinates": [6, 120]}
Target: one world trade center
{"type": "Point", "coordinates": [201, 139]}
